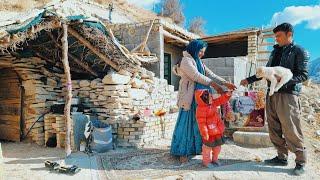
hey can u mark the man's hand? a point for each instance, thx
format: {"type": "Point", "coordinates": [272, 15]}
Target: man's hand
{"type": "Point", "coordinates": [278, 78]}
{"type": "Point", "coordinates": [244, 82]}
{"type": "Point", "coordinates": [230, 86]}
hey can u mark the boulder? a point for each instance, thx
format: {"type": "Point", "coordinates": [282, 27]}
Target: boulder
{"type": "Point", "coordinates": [260, 139]}
{"type": "Point", "coordinates": [137, 94]}
{"type": "Point", "coordinates": [84, 83]}
{"type": "Point", "coordinates": [116, 79]}
{"type": "Point", "coordinates": [137, 83]}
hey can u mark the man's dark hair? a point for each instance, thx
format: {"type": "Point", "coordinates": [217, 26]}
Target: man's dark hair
{"type": "Point", "coordinates": [285, 27]}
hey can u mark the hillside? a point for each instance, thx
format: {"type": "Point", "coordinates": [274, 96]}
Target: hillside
{"type": "Point", "coordinates": [314, 70]}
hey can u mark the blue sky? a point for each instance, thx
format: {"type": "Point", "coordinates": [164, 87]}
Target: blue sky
{"type": "Point", "coordinates": [224, 16]}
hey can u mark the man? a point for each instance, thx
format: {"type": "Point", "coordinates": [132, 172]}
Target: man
{"type": "Point", "coordinates": [283, 108]}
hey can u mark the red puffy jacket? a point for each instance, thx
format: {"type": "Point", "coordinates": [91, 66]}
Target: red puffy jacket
{"type": "Point", "coordinates": [208, 118]}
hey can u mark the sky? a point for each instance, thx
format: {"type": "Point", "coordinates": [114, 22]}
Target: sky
{"type": "Point", "coordinates": [230, 15]}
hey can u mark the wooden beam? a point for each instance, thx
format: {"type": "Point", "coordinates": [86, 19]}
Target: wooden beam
{"type": "Point", "coordinates": [44, 58]}
{"type": "Point", "coordinates": [265, 36]}
{"type": "Point", "coordinates": [264, 52]}
{"type": "Point", "coordinates": [169, 35]}
{"type": "Point", "coordinates": [226, 39]}
{"type": "Point", "coordinates": [92, 48]}
{"type": "Point", "coordinates": [75, 59]}
{"type": "Point", "coordinates": [267, 44]}
{"type": "Point", "coordinates": [67, 107]}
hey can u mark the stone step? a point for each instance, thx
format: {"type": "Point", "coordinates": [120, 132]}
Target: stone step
{"type": "Point", "coordinates": [260, 139]}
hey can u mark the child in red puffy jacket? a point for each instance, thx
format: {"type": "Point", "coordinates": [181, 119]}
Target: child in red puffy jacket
{"type": "Point", "coordinates": [210, 125]}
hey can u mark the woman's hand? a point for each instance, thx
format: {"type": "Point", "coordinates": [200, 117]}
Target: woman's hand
{"type": "Point", "coordinates": [217, 88]}
{"type": "Point", "coordinates": [244, 82]}
{"type": "Point", "coordinates": [230, 86]}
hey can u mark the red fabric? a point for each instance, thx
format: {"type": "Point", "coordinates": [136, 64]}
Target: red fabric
{"type": "Point", "coordinates": [208, 118]}
{"type": "Point", "coordinates": [210, 154]}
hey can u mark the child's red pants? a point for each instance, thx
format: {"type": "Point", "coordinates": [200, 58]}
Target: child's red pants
{"type": "Point", "coordinates": [210, 154]}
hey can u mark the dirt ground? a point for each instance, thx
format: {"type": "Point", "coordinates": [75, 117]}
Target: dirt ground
{"type": "Point", "coordinates": [26, 161]}
{"type": "Point", "coordinates": [236, 163]}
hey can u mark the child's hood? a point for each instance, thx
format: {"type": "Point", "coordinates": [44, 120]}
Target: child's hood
{"type": "Point", "coordinates": [198, 94]}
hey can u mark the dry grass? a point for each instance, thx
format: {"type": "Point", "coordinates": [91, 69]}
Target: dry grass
{"type": "Point", "coordinates": [137, 13]}
{"type": "Point", "coordinates": [21, 5]}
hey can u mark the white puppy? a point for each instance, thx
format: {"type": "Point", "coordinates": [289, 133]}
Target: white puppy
{"type": "Point", "coordinates": [270, 74]}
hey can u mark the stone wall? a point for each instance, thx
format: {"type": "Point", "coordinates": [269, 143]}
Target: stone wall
{"type": "Point", "coordinates": [128, 103]}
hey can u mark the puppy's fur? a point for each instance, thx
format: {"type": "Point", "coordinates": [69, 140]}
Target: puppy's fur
{"type": "Point", "coordinates": [270, 74]}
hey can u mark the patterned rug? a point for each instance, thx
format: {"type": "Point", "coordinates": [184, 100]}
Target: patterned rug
{"type": "Point", "coordinates": [150, 163]}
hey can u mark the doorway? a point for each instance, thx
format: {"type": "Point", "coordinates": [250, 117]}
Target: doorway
{"type": "Point", "coordinates": [10, 105]}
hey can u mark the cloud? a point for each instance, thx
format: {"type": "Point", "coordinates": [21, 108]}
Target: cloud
{"type": "Point", "coordinates": [299, 14]}
{"type": "Point", "coordinates": [147, 4]}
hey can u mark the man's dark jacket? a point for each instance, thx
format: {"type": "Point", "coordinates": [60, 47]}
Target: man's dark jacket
{"type": "Point", "coordinates": [295, 58]}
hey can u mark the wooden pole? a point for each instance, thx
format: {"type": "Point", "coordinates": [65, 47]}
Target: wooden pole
{"type": "Point", "coordinates": [67, 107]}
{"type": "Point", "coordinates": [141, 47]}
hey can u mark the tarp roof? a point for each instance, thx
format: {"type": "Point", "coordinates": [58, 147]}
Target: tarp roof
{"type": "Point", "coordinates": [16, 29]}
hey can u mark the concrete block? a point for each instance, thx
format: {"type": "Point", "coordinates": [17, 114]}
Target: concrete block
{"type": "Point", "coordinates": [215, 62]}
{"type": "Point", "coordinates": [225, 71]}
{"type": "Point", "coordinates": [260, 139]}
{"type": "Point", "coordinates": [230, 62]}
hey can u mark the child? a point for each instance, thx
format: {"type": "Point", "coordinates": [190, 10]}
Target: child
{"type": "Point", "coordinates": [210, 125]}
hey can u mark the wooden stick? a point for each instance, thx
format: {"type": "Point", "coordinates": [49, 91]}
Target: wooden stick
{"type": "Point", "coordinates": [92, 48]}
{"type": "Point", "coordinates": [141, 47]}
{"type": "Point", "coordinates": [44, 58]}
{"type": "Point", "coordinates": [75, 59]}
{"type": "Point", "coordinates": [64, 41]}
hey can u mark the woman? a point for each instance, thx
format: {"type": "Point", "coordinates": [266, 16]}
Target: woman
{"type": "Point", "coordinates": [194, 75]}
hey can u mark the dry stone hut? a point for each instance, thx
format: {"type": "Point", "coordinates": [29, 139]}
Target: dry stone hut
{"type": "Point", "coordinates": [107, 80]}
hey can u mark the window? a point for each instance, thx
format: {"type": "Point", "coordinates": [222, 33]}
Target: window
{"type": "Point", "coordinates": [167, 67]}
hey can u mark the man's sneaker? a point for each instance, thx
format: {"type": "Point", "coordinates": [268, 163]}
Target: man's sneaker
{"type": "Point", "coordinates": [298, 170]}
{"type": "Point", "coordinates": [276, 161]}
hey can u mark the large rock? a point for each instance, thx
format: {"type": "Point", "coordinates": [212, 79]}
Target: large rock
{"type": "Point", "coordinates": [137, 83]}
{"type": "Point", "coordinates": [116, 79]}
{"type": "Point", "coordinates": [84, 83]}
{"type": "Point", "coordinates": [102, 98]}
{"type": "Point", "coordinates": [125, 73]}
{"type": "Point", "coordinates": [260, 139]}
{"type": "Point", "coordinates": [94, 83]}
{"type": "Point", "coordinates": [116, 87]}
{"type": "Point", "coordinates": [137, 94]}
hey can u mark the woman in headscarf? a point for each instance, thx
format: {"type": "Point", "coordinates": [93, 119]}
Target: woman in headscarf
{"type": "Point", "coordinates": [186, 140]}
